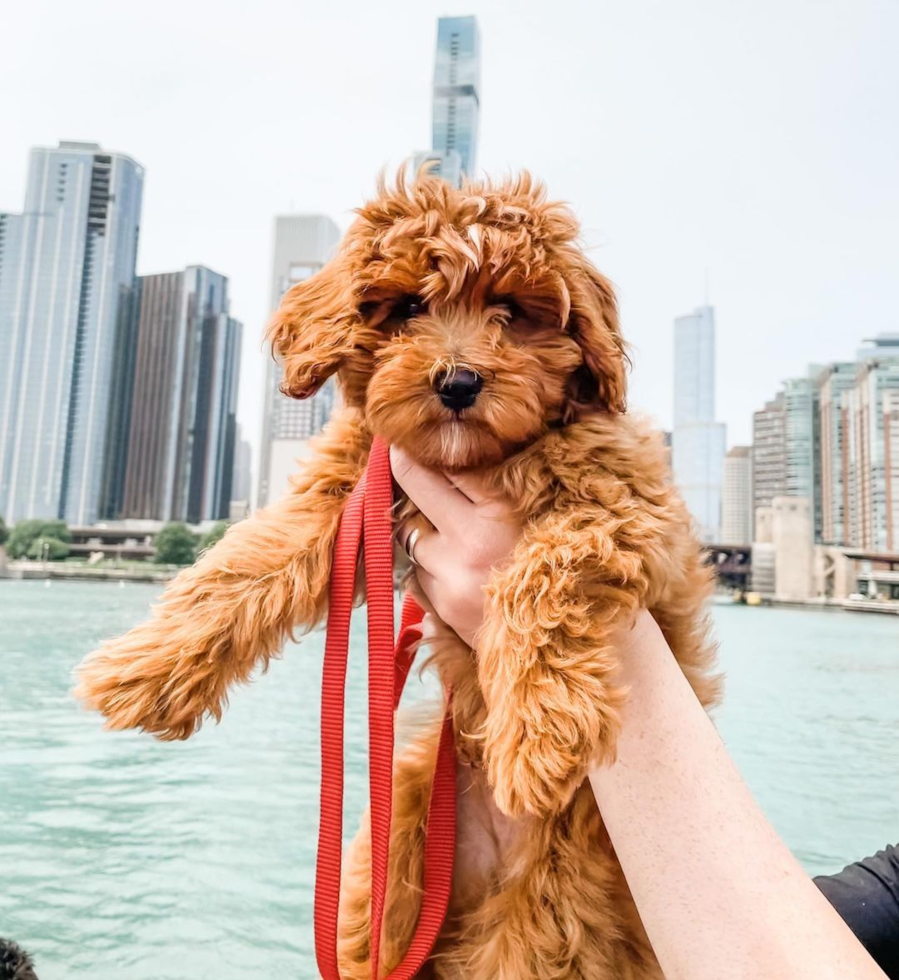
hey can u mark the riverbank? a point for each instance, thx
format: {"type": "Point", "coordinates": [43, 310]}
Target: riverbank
{"type": "Point", "coordinates": [821, 604]}
{"type": "Point", "coordinates": [82, 572]}
{"type": "Point", "coordinates": [880, 606]}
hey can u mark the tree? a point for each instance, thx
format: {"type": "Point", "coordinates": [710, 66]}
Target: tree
{"type": "Point", "coordinates": [213, 535]}
{"type": "Point", "coordinates": [48, 549]}
{"type": "Point", "coordinates": [175, 545]}
{"type": "Point", "coordinates": [4, 532]}
{"type": "Point", "coordinates": [25, 533]}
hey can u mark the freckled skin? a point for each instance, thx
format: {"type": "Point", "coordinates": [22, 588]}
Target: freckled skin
{"type": "Point", "coordinates": [428, 281]}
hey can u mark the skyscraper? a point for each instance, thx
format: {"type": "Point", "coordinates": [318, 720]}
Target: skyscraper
{"type": "Point", "coordinates": [833, 383]}
{"type": "Point", "coordinates": [736, 500]}
{"type": "Point", "coordinates": [303, 244]}
{"type": "Point", "coordinates": [182, 426]}
{"type": "Point", "coordinates": [872, 463]}
{"type": "Point", "coordinates": [698, 442]}
{"type": "Point", "coordinates": [801, 436]}
{"type": "Point", "coordinates": [66, 279]}
{"type": "Point", "coordinates": [787, 447]}
{"type": "Point", "coordinates": [456, 100]}
{"type": "Point", "coordinates": [769, 454]}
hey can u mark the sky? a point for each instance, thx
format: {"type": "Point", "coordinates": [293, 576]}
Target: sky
{"type": "Point", "coordinates": [747, 154]}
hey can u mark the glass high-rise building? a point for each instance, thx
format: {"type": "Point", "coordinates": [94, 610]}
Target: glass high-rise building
{"type": "Point", "coordinates": [66, 279]}
{"type": "Point", "coordinates": [456, 100]}
{"type": "Point", "coordinates": [182, 423]}
{"type": "Point", "coordinates": [872, 456]}
{"type": "Point", "coordinates": [833, 424]}
{"type": "Point", "coordinates": [698, 442]}
{"type": "Point", "coordinates": [303, 244]}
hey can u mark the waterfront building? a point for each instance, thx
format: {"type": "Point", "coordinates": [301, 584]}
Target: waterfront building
{"type": "Point", "coordinates": [182, 426]}
{"type": "Point", "coordinates": [736, 500]}
{"type": "Point", "coordinates": [786, 447]}
{"type": "Point", "coordinates": [801, 436]}
{"type": "Point", "coordinates": [66, 332]}
{"type": "Point", "coordinates": [792, 531]}
{"type": "Point", "coordinates": [872, 466]}
{"type": "Point", "coordinates": [832, 438]}
{"type": "Point", "coordinates": [698, 442]}
{"type": "Point", "coordinates": [455, 105]}
{"type": "Point", "coordinates": [769, 452]}
{"type": "Point", "coordinates": [303, 244]}
{"type": "Point", "coordinates": [833, 382]}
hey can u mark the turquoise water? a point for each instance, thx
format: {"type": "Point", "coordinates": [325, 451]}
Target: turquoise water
{"type": "Point", "coordinates": [125, 859]}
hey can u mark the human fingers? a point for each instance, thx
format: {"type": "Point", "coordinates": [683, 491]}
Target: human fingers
{"type": "Point", "coordinates": [472, 485]}
{"type": "Point", "coordinates": [421, 546]}
{"type": "Point", "coordinates": [433, 494]}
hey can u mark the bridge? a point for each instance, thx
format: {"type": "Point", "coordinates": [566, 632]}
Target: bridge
{"type": "Point", "coordinates": [732, 563]}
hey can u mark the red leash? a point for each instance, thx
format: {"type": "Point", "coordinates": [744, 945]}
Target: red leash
{"type": "Point", "coordinates": [367, 519]}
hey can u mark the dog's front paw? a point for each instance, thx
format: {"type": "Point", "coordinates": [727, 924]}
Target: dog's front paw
{"type": "Point", "coordinates": [146, 680]}
{"type": "Point", "coordinates": [537, 754]}
{"type": "Point", "coordinates": [529, 774]}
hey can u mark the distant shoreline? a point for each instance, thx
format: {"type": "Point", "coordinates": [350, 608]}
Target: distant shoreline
{"type": "Point", "coordinates": [881, 606]}
{"type": "Point", "coordinates": [62, 571]}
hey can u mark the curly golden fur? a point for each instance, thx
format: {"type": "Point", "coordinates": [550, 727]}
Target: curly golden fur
{"type": "Point", "coordinates": [431, 281]}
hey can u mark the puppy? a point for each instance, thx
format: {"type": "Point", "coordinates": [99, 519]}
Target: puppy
{"type": "Point", "coordinates": [15, 963]}
{"type": "Point", "coordinates": [468, 328]}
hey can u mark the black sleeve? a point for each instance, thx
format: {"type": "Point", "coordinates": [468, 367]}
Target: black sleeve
{"type": "Point", "coordinates": [866, 894]}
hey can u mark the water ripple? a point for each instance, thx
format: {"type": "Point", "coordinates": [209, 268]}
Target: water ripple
{"type": "Point", "coordinates": [128, 859]}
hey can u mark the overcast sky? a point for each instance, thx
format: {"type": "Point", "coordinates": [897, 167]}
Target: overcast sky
{"type": "Point", "coordinates": [757, 141]}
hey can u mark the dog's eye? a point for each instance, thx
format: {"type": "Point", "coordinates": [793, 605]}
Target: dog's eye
{"type": "Point", "coordinates": [408, 307]}
{"type": "Point", "coordinates": [511, 307]}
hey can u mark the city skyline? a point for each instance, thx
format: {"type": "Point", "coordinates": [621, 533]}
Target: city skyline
{"type": "Point", "coordinates": [678, 154]}
{"type": "Point", "coordinates": [119, 392]}
{"type": "Point", "coordinates": [67, 268]}
{"type": "Point", "coordinates": [831, 438]}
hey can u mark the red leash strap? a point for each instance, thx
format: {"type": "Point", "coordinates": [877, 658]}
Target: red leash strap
{"type": "Point", "coordinates": [367, 516]}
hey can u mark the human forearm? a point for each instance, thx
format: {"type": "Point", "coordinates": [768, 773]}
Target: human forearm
{"type": "Point", "coordinates": [719, 893]}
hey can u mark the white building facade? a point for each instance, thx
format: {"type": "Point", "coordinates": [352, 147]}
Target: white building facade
{"type": "Point", "coordinates": [736, 499]}
{"type": "Point", "coordinates": [303, 244]}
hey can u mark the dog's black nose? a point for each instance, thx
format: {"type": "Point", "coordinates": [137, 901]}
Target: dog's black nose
{"type": "Point", "coordinates": [458, 389]}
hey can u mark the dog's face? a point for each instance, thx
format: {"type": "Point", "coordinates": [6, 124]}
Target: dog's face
{"type": "Point", "coordinates": [464, 322]}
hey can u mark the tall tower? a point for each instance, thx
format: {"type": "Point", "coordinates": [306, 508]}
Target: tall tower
{"type": "Point", "coordinates": [834, 382]}
{"type": "Point", "coordinates": [303, 244]}
{"type": "Point", "coordinates": [698, 441]}
{"type": "Point", "coordinates": [736, 499]}
{"type": "Point", "coordinates": [456, 99]}
{"type": "Point", "coordinates": [183, 425]}
{"type": "Point", "coordinates": [769, 454]}
{"type": "Point", "coordinates": [66, 280]}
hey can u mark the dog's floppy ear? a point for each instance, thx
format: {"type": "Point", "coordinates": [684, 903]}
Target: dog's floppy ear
{"type": "Point", "coordinates": [313, 329]}
{"type": "Point", "coordinates": [601, 380]}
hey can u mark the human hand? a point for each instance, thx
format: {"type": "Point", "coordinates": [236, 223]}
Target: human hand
{"type": "Point", "coordinates": [473, 531]}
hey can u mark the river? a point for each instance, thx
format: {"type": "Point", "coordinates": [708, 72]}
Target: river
{"type": "Point", "coordinates": [127, 859]}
